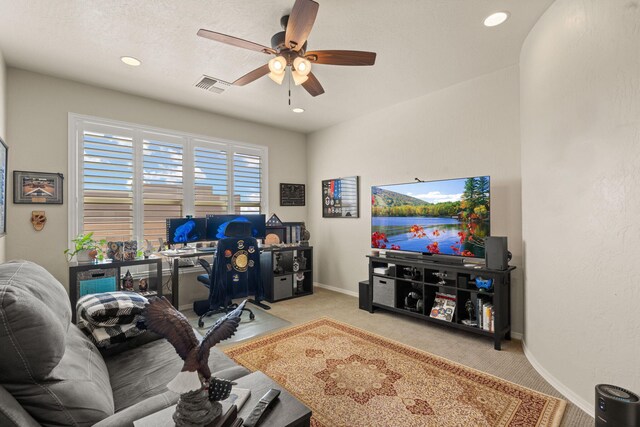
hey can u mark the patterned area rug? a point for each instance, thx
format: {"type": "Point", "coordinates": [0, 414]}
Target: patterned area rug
{"type": "Point", "coordinates": [350, 377]}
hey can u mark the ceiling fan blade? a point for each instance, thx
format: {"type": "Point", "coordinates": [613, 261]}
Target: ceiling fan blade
{"type": "Point", "coordinates": [313, 86]}
{"type": "Point", "coordinates": [234, 41]}
{"type": "Point", "coordinates": [301, 20]}
{"type": "Point", "coordinates": [341, 57]}
{"type": "Point", "coordinates": [252, 75]}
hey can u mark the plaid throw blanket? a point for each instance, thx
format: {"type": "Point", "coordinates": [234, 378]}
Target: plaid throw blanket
{"type": "Point", "coordinates": [111, 317]}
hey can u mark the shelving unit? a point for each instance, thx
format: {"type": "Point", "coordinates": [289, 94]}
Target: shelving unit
{"type": "Point", "coordinates": [283, 284]}
{"type": "Point", "coordinates": [79, 273]}
{"type": "Point", "coordinates": [426, 278]}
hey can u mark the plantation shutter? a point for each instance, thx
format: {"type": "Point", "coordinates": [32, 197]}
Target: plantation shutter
{"type": "Point", "coordinates": [162, 183]}
{"type": "Point", "coordinates": [107, 183]}
{"type": "Point", "coordinates": [247, 183]}
{"type": "Point", "coordinates": [211, 181]}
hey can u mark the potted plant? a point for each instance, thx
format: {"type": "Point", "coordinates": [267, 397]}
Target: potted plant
{"type": "Point", "coordinates": [85, 249]}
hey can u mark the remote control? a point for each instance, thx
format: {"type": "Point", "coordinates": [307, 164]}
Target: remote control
{"type": "Point", "coordinates": [256, 415]}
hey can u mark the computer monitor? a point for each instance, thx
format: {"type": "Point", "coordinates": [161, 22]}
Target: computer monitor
{"type": "Point", "coordinates": [186, 230]}
{"type": "Point", "coordinates": [217, 223]}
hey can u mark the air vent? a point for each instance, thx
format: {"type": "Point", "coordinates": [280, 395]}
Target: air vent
{"type": "Point", "coordinates": [212, 84]}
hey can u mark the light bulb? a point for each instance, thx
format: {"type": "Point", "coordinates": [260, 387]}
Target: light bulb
{"type": "Point", "coordinates": [496, 19]}
{"type": "Point", "coordinates": [277, 65]}
{"type": "Point", "coordinates": [298, 78]}
{"type": "Point", "coordinates": [302, 65]}
{"type": "Point", "coordinates": [276, 77]}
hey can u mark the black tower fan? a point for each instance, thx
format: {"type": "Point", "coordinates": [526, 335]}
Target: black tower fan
{"type": "Point", "coordinates": [617, 407]}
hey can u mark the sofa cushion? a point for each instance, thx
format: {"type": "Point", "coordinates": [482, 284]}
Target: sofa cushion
{"type": "Point", "coordinates": [34, 317]}
{"type": "Point", "coordinates": [154, 365]}
{"type": "Point", "coordinates": [76, 392]}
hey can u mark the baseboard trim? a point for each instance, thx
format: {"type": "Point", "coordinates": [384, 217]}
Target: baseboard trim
{"type": "Point", "coordinates": [334, 289]}
{"type": "Point", "coordinates": [185, 307]}
{"type": "Point", "coordinates": [516, 336]}
{"type": "Point", "coordinates": [563, 389]}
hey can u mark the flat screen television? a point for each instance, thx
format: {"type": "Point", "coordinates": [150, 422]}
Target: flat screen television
{"type": "Point", "coordinates": [186, 230]}
{"type": "Point", "coordinates": [448, 217]}
{"type": "Point", "coordinates": [217, 223]}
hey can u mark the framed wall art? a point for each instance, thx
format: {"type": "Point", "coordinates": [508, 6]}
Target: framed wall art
{"type": "Point", "coordinates": [37, 187]}
{"type": "Point", "coordinates": [292, 195]}
{"type": "Point", "coordinates": [3, 186]}
{"type": "Point", "coordinates": [340, 198]}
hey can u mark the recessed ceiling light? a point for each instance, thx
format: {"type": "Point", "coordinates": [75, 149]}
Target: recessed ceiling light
{"type": "Point", "coordinates": [130, 60]}
{"type": "Point", "coordinates": [298, 110]}
{"type": "Point", "coordinates": [496, 19]}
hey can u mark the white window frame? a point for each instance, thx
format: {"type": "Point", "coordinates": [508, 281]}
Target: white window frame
{"type": "Point", "coordinates": [75, 192]}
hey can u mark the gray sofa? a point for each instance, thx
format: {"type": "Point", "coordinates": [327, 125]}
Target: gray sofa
{"type": "Point", "coordinates": [52, 375]}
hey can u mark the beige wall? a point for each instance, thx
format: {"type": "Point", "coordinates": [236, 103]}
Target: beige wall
{"type": "Point", "coordinates": [469, 129]}
{"type": "Point", "coordinates": [580, 94]}
{"type": "Point", "coordinates": [38, 108]}
{"type": "Point", "coordinates": [3, 128]}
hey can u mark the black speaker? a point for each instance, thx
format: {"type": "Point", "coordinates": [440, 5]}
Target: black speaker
{"type": "Point", "coordinates": [496, 253]}
{"type": "Point", "coordinates": [616, 406]}
{"type": "Point", "coordinates": [364, 302]}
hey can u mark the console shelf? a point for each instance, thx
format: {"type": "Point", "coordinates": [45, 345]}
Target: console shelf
{"type": "Point", "coordinates": [425, 279]}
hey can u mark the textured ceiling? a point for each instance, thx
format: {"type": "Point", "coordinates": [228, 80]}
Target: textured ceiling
{"type": "Point", "coordinates": [422, 46]}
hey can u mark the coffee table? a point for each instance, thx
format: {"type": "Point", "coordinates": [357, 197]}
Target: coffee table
{"type": "Point", "coordinates": [286, 411]}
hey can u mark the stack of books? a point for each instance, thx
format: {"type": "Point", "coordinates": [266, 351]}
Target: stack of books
{"type": "Point", "coordinates": [485, 315]}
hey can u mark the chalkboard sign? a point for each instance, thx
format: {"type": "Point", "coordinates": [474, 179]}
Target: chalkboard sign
{"type": "Point", "coordinates": [292, 195]}
{"type": "Point", "coordinates": [340, 198]}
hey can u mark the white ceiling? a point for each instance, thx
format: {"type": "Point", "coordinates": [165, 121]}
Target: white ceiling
{"type": "Point", "coordinates": [422, 46]}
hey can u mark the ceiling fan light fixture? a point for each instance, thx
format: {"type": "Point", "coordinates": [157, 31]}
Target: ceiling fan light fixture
{"type": "Point", "coordinates": [277, 77]}
{"type": "Point", "coordinates": [302, 65]}
{"type": "Point", "coordinates": [298, 78]}
{"type": "Point", "coordinates": [277, 65]}
{"type": "Point", "coordinates": [298, 110]}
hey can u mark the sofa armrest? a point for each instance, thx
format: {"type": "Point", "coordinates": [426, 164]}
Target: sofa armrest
{"type": "Point", "coordinates": [126, 417]}
{"type": "Point", "coordinates": [12, 413]}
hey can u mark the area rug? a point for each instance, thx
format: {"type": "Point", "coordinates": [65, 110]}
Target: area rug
{"type": "Point", "coordinates": [262, 324]}
{"type": "Point", "coordinates": [350, 377]}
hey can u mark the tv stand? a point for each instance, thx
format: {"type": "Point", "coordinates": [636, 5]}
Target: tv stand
{"type": "Point", "coordinates": [426, 277]}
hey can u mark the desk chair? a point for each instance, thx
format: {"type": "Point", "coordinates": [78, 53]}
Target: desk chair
{"type": "Point", "coordinates": [205, 279]}
{"type": "Point", "coordinates": [236, 270]}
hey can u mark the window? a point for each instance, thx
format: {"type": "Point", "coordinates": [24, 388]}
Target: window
{"type": "Point", "coordinates": [128, 179]}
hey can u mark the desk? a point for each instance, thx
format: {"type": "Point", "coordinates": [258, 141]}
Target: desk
{"type": "Point", "coordinates": [173, 257]}
{"type": "Point", "coordinates": [287, 411]}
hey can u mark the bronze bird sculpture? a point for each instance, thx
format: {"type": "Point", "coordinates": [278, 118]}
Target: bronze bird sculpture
{"type": "Point", "coordinates": [162, 318]}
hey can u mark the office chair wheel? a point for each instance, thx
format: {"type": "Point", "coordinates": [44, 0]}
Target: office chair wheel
{"type": "Point", "coordinates": [252, 316]}
{"type": "Point", "coordinates": [200, 323]}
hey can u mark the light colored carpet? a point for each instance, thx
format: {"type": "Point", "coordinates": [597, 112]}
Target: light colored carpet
{"type": "Point", "coordinates": [262, 324]}
{"type": "Point", "coordinates": [471, 350]}
{"type": "Point", "coordinates": [350, 377]}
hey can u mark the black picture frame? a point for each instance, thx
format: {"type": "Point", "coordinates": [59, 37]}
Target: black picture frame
{"type": "Point", "coordinates": [39, 188]}
{"type": "Point", "coordinates": [341, 197]}
{"type": "Point", "coordinates": [4, 157]}
{"type": "Point", "coordinates": [292, 194]}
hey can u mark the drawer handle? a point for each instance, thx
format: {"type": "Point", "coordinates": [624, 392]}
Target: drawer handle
{"type": "Point", "coordinates": [282, 279]}
{"type": "Point", "coordinates": [383, 282]}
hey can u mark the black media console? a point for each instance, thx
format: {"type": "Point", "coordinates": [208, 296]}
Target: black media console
{"type": "Point", "coordinates": [426, 278]}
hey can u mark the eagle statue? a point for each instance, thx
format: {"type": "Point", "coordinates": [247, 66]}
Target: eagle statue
{"type": "Point", "coordinates": [162, 318]}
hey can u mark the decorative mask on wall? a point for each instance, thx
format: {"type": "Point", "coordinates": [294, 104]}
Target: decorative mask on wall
{"type": "Point", "coordinates": [38, 220]}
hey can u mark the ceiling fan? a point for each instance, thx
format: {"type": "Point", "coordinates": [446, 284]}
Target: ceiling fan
{"type": "Point", "coordinates": [290, 50]}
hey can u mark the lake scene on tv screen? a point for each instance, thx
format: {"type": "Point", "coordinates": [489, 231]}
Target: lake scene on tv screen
{"type": "Point", "coordinates": [448, 217]}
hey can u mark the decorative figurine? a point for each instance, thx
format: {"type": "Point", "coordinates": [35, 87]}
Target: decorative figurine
{"type": "Point", "coordinates": [296, 264]}
{"type": "Point", "coordinates": [277, 268]}
{"type": "Point", "coordinates": [194, 381]}
{"type": "Point", "coordinates": [441, 276]}
{"type": "Point", "coordinates": [304, 235]}
{"type": "Point", "coordinates": [143, 286]}
{"type": "Point", "coordinates": [127, 282]}
{"type": "Point", "coordinates": [302, 261]}
{"type": "Point", "coordinates": [471, 312]}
